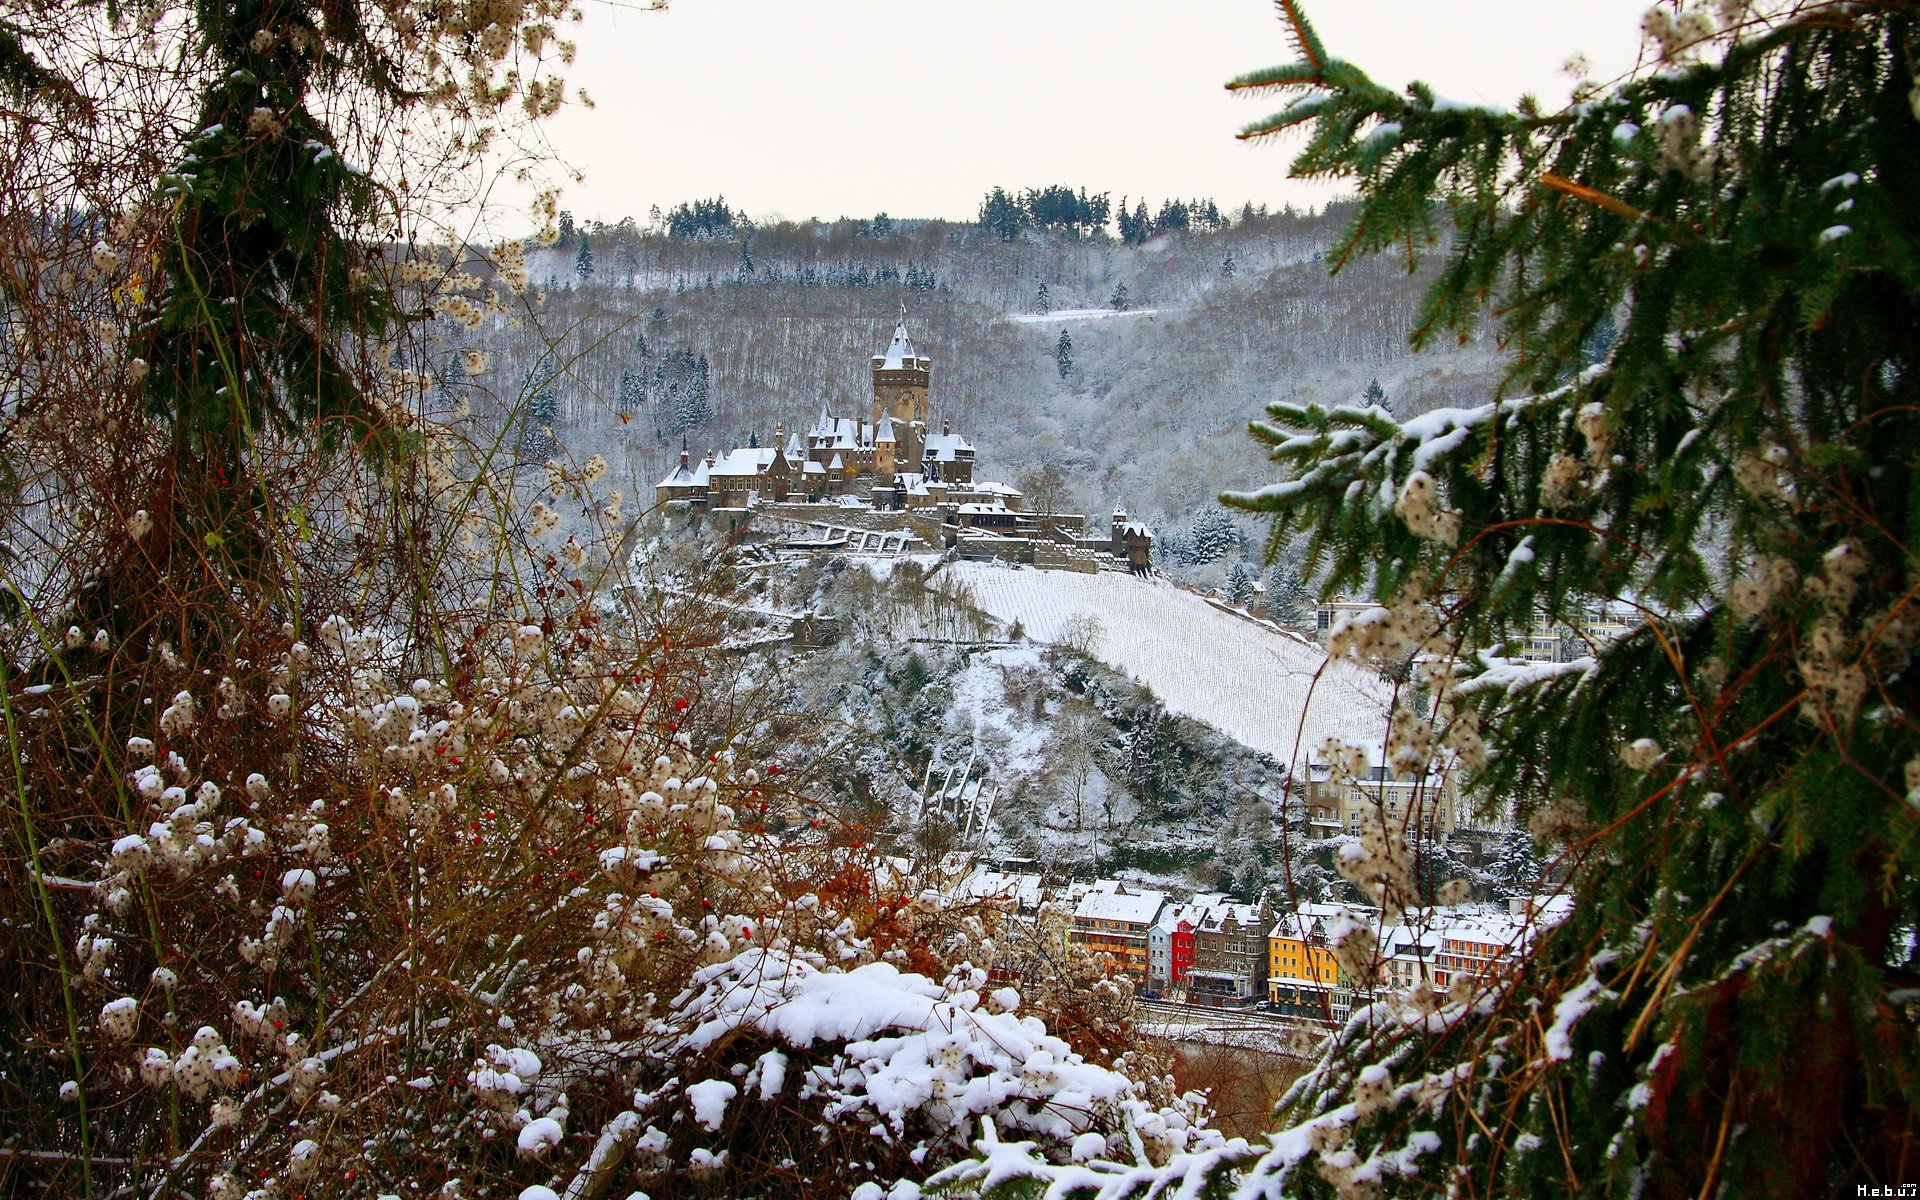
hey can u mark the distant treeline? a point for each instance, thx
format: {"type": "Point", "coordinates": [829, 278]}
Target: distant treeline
{"type": "Point", "coordinates": [1006, 214]}
{"type": "Point", "coordinates": [1060, 209]}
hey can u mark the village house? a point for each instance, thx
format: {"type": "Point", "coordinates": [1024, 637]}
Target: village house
{"type": "Point", "coordinates": [1115, 923]}
{"type": "Point", "coordinates": [1426, 804]}
{"type": "Point", "coordinates": [1230, 955]}
{"type": "Point", "coordinates": [1301, 972]}
{"type": "Point", "coordinates": [1170, 948]}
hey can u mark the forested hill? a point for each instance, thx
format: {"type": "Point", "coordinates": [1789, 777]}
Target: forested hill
{"type": "Point", "coordinates": [703, 325]}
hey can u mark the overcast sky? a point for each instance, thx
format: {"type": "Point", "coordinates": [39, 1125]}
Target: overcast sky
{"type": "Point", "coordinates": [826, 108]}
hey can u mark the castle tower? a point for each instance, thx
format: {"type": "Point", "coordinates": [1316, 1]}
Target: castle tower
{"type": "Point", "coordinates": [900, 377]}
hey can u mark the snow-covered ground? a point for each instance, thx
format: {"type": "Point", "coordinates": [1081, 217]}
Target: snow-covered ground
{"type": "Point", "coordinates": [1078, 314]}
{"type": "Point", "coordinates": [980, 704]}
{"type": "Point", "coordinates": [1246, 680]}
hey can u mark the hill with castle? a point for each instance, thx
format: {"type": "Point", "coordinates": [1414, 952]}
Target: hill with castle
{"type": "Point", "coordinates": [883, 480]}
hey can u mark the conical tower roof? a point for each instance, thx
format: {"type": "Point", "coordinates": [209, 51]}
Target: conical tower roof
{"type": "Point", "coordinates": [900, 352]}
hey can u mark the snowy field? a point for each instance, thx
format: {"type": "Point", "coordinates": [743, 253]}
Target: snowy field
{"type": "Point", "coordinates": [1078, 314]}
{"type": "Point", "coordinates": [1246, 680]}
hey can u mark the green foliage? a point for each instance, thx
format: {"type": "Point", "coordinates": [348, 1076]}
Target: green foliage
{"type": "Point", "coordinates": [23, 75]}
{"type": "Point", "coordinates": [1288, 600]}
{"type": "Point", "coordinates": [1212, 537]}
{"type": "Point", "coordinates": [1710, 279]}
{"type": "Point", "coordinates": [264, 280]}
{"type": "Point", "coordinates": [1003, 214]}
{"type": "Point", "coordinates": [540, 414]}
{"type": "Point", "coordinates": [1056, 207]}
{"type": "Point", "coordinates": [704, 219]}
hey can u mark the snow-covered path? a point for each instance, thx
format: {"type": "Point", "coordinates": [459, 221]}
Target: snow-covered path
{"type": "Point", "coordinates": [1246, 680]}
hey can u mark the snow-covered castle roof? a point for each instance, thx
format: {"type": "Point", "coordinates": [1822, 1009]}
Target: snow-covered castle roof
{"type": "Point", "coordinates": [944, 447]}
{"type": "Point", "coordinates": [900, 352]}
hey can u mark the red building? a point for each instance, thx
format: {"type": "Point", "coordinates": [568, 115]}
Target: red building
{"type": "Point", "coordinates": [1182, 951]}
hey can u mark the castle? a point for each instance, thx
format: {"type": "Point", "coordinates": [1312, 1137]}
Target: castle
{"type": "Point", "coordinates": [897, 475]}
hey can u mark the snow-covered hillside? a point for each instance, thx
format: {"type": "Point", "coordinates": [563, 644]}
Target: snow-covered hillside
{"type": "Point", "coordinates": [1270, 691]}
{"type": "Point", "coordinates": [1080, 314]}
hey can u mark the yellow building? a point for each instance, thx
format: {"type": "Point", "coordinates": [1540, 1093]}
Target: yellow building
{"type": "Point", "coordinates": [1300, 965]}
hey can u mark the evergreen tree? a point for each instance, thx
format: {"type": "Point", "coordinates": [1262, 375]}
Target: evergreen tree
{"type": "Point", "coordinates": [632, 392]}
{"type": "Point", "coordinates": [569, 233]}
{"type": "Point", "coordinates": [1118, 301]}
{"type": "Point", "coordinates": [1002, 214]}
{"type": "Point", "coordinates": [1731, 788]}
{"type": "Point", "coordinates": [583, 261]}
{"type": "Point", "coordinates": [1289, 602]}
{"type": "Point", "coordinates": [1094, 211]}
{"type": "Point", "coordinates": [1239, 583]}
{"type": "Point", "coordinates": [1063, 354]}
{"type": "Point", "coordinates": [1136, 226]}
{"type": "Point", "coordinates": [1226, 266]}
{"type": "Point", "coordinates": [1042, 303]}
{"type": "Point", "coordinates": [540, 414]}
{"type": "Point", "coordinates": [704, 219]}
{"type": "Point", "coordinates": [1210, 538]}
{"type": "Point", "coordinates": [1376, 396]}
{"type": "Point", "coordinates": [1516, 867]}
{"type": "Point", "coordinates": [696, 408]}
{"type": "Point", "coordinates": [746, 259]}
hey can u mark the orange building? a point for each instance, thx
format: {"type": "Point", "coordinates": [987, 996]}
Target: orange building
{"type": "Point", "coordinates": [1115, 923]}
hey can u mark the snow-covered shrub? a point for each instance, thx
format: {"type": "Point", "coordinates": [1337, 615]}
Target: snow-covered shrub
{"type": "Point", "coordinates": [789, 1071]}
{"type": "Point", "coordinates": [475, 926]}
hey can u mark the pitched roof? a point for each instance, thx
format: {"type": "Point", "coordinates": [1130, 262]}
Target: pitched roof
{"type": "Point", "coordinates": [744, 460]}
{"type": "Point", "coordinates": [1137, 907]}
{"type": "Point", "coordinates": [1247, 916]}
{"type": "Point", "coordinates": [899, 350]}
{"type": "Point", "coordinates": [944, 446]}
{"type": "Point", "coordinates": [682, 476]}
{"type": "Point", "coordinates": [1022, 887]}
{"type": "Point", "coordinates": [1171, 916]}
